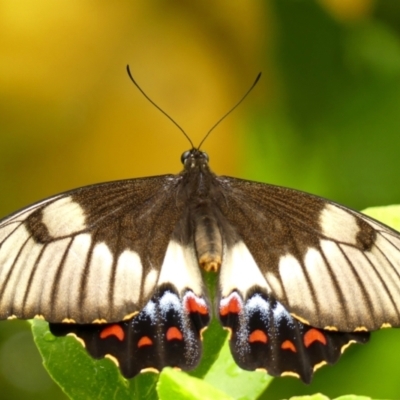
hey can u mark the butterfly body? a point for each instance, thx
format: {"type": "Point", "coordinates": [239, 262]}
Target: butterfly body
{"type": "Point", "coordinates": [119, 265]}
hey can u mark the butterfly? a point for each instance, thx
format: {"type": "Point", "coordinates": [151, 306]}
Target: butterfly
{"type": "Point", "coordinates": [120, 266]}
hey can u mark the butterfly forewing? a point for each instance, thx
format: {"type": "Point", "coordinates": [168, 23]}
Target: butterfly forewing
{"type": "Point", "coordinates": [94, 253]}
{"type": "Point", "coordinates": [328, 265]}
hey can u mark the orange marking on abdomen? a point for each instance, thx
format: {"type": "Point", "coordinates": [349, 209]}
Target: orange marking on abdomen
{"type": "Point", "coordinates": [113, 330]}
{"type": "Point", "coordinates": [258, 336]}
{"type": "Point", "coordinates": [144, 341]}
{"type": "Point", "coordinates": [174, 333]}
{"type": "Point", "coordinates": [288, 345]}
{"type": "Point", "coordinates": [233, 306]}
{"type": "Point", "coordinates": [193, 306]}
{"type": "Point", "coordinates": [314, 335]}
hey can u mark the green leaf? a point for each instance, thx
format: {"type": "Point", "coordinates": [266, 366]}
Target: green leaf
{"type": "Point", "coordinates": [213, 340]}
{"type": "Point", "coordinates": [180, 386]}
{"type": "Point", "coordinates": [213, 337]}
{"type": "Point", "coordinates": [317, 396]}
{"type": "Point", "coordinates": [82, 377]}
{"type": "Point", "coordinates": [389, 215]}
{"type": "Point", "coordinates": [353, 397]}
{"type": "Point", "coordinates": [320, 396]}
{"type": "Point", "coordinates": [227, 376]}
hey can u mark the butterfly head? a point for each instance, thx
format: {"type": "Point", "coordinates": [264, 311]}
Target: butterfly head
{"type": "Point", "coordinates": [194, 158]}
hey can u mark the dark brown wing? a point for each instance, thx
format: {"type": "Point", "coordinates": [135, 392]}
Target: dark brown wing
{"type": "Point", "coordinates": [91, 254]}
{"type": "Point", "coordinates": [330, 266]}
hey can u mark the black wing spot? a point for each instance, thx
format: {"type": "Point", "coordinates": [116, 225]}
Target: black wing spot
{"type": "Point", "coordinates": [366, 236]}
{"type": "Point", "coordinates": [37, 229]}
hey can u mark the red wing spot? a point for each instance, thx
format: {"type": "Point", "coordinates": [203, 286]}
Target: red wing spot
{"type": "Point", "coordinates": [258, 336]}
{"type": "Point", "coordinates": [144, 341]}
{"type": "Point", "coordinates": [194, 306]}
{"type": "Point", "coordinates": [233, 306]}
{"type": "Point", "coordinates": [288, 345]}
{"type": "Point", "coordinates": [174, 333]}
{"type": "Point", "coordinates": [113, 330]}
{"type": "Point", "coordinates": [314, 335]}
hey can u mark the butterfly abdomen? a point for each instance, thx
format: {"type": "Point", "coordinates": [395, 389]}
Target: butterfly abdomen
{"type": "Point", "coordinates": [207, 238]}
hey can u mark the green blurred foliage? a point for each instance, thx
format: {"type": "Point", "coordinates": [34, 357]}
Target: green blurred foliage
{"type": "Point", "coordinates": [324, 118]}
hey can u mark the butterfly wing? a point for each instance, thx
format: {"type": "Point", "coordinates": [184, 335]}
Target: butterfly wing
{"type": "Point", "coordinates": [264, 336]}
{"type": "Point", "coordinates": [94, 254]}
{"type": "Point", "coordinates": [166, 332]}
{"type": "Point", "coordinates": [302, 277]}
{"type": "Point", "coordinates": [329, 266]}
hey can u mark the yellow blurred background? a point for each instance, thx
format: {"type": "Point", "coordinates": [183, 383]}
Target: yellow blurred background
{"type": "Point", "coordinates": [324, 118]}
{"type": "Point", "coordinates": [70, 114]}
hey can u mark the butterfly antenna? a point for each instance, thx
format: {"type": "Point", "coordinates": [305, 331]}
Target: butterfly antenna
{"type": "Point", "coordinates": [221, 119]}
{"type": "Point", "coordinates": [156, 106]}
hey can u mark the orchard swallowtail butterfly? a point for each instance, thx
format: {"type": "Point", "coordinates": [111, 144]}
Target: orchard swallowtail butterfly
{"type": "Point", "coordinates": [119, 265]}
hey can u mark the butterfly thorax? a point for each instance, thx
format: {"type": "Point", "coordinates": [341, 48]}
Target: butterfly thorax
{"type": "Point", "coordinates": [207, 238]}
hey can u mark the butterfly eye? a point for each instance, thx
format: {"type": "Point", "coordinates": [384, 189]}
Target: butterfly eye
{"type": "Point", "coordinates": [205, 155]}
{"type": "Point", "coordinates": [185, 156]}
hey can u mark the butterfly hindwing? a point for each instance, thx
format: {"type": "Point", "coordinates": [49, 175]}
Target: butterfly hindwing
{"type": "Point", "coordinates": [328, 265]}
{"type": "Point", "coordinates": [92, 254]}
{"type": "Point", "coordinates": [263, 335]}
{"type": "Point", "coordinates": [167, 332]}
